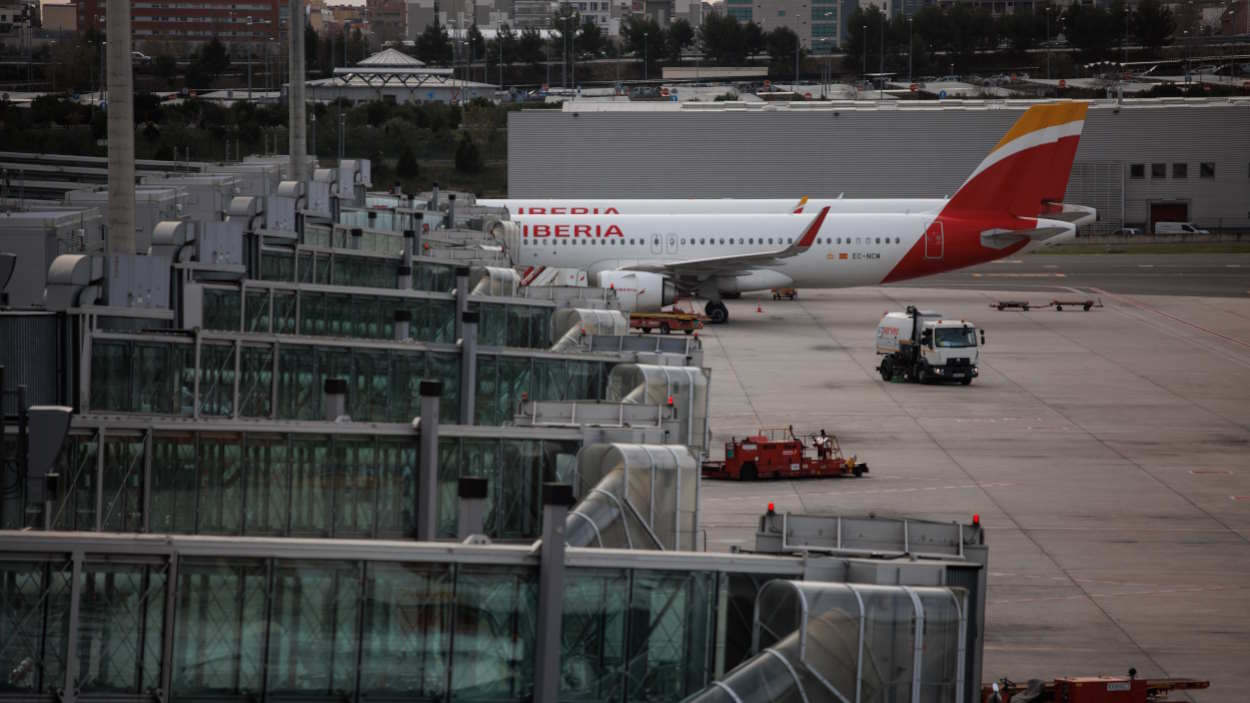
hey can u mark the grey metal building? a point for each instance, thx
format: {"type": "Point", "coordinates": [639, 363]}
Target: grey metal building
{"type": "Point", "coordinates": [1139, 161]}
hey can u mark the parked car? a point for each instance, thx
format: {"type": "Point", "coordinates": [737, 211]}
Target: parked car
{"type": "Point", "coordinates": [139, 57]}
{"type": "Point", "coordinates": [1178, 228]}
{"type": "Point", "coordinates": [1129, 232]}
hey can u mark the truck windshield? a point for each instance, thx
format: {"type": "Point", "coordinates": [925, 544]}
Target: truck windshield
{"type": "Point", "coordinates": [956, 337]}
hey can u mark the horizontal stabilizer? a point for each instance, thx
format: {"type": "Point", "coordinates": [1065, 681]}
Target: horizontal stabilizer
{"type": "Point", "coordinates": [1079, 215]}
{"type": "Point", "coordinates": [1047, 231]}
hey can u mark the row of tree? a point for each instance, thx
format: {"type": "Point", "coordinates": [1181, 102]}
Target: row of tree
{"type": "Point", "coordinates": [960, 31]}
{"type": "Point", "coordinates": [957, 30]}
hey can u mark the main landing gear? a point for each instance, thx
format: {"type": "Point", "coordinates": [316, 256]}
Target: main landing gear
{"type": "Point", "coordinates": [716, 312]}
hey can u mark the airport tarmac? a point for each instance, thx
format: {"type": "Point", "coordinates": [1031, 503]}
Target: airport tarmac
{"type": "Point", "coordinates": [1106, 453]}
{"type": "Point", "coordinates": [1143, 274]}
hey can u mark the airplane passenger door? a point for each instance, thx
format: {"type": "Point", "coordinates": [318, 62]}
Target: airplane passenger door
{"type": "Point", "coordinates": [657, 244]}
{"type": "Point", "coordinates": [672, 244]}
{"type": "Point", "coordinates": [934, 242]}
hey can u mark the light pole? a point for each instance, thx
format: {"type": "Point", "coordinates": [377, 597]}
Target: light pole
{"type": "Point", "coordinates": [644, 56]}
{"type": "Point", "coordinates": [102, 83]}
{"type": "Point", "coordinates": [881, 62]}
{"type": "Point", "coordinates": [249, 60]}
{"type": "Point", "coordinates": [1123, 32]}
{"type": "Point", "coordinates": [500, 37]}
{"type": "Point", "coordinates": [1049, 9]}
{"type": "Point", "coordinates": [576, 17]}
{"type": "Point", "coordinates": [909, 43]}
{"type": "Point", "coordinates": [313, 119]}
{"type": "Point", "coordinates": [1185, 35]}
{"type": "Point", "coordinates": [863, 71]}
{"type": "Point", "coordinates": [829, 66]}
{"type": "Point", "coordinates": [797, 44]}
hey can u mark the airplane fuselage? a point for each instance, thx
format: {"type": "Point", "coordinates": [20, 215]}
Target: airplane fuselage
{"type": "Point", "coordinates": [849, 249]}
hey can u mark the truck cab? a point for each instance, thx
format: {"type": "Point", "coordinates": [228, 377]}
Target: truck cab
{"type": "Point", "coordinates": [924, 346]}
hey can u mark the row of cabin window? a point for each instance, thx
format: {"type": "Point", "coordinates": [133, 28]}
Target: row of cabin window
{"type": "Point", "coordinates": [741, 240]}
{"type": "Point", "coordinates": [1206, 169]}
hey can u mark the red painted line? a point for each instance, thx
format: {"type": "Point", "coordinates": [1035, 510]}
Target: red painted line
{"type": "Point", "coordinates": [1147, 308]}
{"type": "Point", "coordinates": [1206, 472]}
{"type": "Point", "coordinates": [1239, 498]}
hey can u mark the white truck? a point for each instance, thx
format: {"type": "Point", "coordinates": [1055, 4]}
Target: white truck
{"type": "Point", "coordinates": [924, 346]}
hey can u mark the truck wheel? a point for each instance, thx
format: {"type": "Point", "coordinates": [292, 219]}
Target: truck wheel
{"type": "Point", "coordinates": [665, 328]}
{"type": "Point", "coordinates": [922, 375]}
{"type": "Point", "coordinates": [689, 330]}
{"type": "Point", "coordinates": [857, 471]}
{"type": "Point", "coordinates": [1058, 308]}
{"type": "Point", "coordinates": [966, 381]}
{"type": "Point", "coordinates": [748, 473]}
{"type": "Point", "coordinates": [887, 370]}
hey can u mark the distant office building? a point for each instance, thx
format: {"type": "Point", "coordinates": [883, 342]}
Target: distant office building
{"type": "Point", "coordinates": [15, 14]}
{"type": "Point", "coordinates": [665, 12]}
{"type": "Point", "coordinates": [60, 18]}
{"type": "Point", "coordinates": [816, 22]}
{"type": "Point", "coordinates": [386, 20]}
{"type": "Point", "coordinates": [1235, 19]}
{"type": "Point", "coordinates": [534, 13]}
{"type": "Point", "coordinates": [192, 20]}
{"type": "Point", "coordinates": [418, 14]}
{"type": "Point", "coordinates": [455, 16]}
{"type": "Point", "coordinates": [846, 8]}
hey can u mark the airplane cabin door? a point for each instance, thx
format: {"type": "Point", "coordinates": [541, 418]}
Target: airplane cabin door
{"type": "Point", "coordinates": [934, 242]}
{"type": "Point", "coordinates": [672, 243]}
{"type": "Point", "coordinates": [657, 244]}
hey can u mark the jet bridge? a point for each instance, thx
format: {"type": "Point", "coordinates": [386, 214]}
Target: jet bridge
{"type": "Point", "coordinates": [635, 496]}
{"type": "Point", "coordinates": [817, 642]}
{"type": "Point", "coordinates": [683, 387]}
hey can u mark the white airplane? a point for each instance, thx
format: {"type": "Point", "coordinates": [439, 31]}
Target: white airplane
{"type": "Point", "coordinates": [712, 248]}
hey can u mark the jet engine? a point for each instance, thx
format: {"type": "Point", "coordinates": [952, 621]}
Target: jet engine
{"type": "Point", "coordinates": [639, 290]}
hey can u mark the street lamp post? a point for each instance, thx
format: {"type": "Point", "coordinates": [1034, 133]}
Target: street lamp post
{"type": "Point", "coordinates": [644, 56]}
{"type": "Point", "coordinates": [909, 43]}
{"type": "Point", "coordinates": [576, 17]}
{"type": "Point", "coordinates": [249, 59]}
{"type": "Point", "coordinates": [863, 72]}
{"type": "Point", "coordinates": [828, 78]}
{"type": "Point", "coordinates": [1049, 9]}
{"type": "Point", "coordinates": [881, 62]}
{"type": "Point", "coordinates": [1123, 32]}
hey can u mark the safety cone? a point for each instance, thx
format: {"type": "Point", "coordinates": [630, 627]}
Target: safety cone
{"type": "Point", "coordinates": [759, 308]}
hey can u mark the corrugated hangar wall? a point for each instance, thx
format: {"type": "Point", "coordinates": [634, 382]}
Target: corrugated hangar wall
{"type": "Point", "coordinates": [870, 152]}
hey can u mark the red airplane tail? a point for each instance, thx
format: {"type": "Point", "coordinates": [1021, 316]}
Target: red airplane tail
{"type": "Point", "coordinates": [1028, 169]}
{"type": "Point", "coordinates": [995, 212]}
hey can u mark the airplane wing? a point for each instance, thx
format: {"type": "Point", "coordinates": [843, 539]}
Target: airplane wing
{"type": "Point", "coordinates": [701, 269]}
